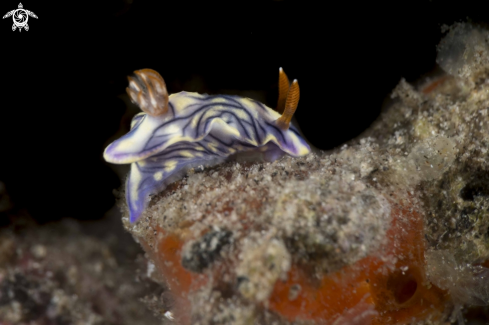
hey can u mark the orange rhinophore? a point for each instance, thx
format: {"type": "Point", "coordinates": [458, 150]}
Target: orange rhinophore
{"type": "Point", "coordinates": [283, 89]}
{"type": "Point", "coordinates": [148, 90]}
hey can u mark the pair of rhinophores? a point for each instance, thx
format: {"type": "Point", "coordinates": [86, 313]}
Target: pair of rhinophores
{"type": "Point", "coordinates": [184, 130]}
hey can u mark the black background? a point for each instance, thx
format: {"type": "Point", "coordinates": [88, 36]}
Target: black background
{"type": "Point", "coordinates": [62, 78]}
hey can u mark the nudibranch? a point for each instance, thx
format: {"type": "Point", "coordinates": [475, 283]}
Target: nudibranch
{"type": "Point", "coordinates": [184, 130]}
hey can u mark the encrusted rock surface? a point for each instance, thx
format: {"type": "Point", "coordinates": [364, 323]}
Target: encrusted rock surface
{"type": "Point", "coordinates": [329, 210]}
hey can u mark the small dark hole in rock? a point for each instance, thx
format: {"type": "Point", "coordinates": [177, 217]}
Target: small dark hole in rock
{"type": "Point", "coordinates": [406, 291]}
{"type": "Point", "coordinates": [479, 186]}
{"type": "Point", "coordinates": [403, 285]}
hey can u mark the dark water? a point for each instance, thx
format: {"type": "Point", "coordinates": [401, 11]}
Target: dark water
{"type": "Point", "coordinates": [62, 78]}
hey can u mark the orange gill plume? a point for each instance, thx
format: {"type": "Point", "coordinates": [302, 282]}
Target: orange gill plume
{"type": "Point", "coordinates": [291, 103]}
{"type": "Point", "coordinates": [147, 89]}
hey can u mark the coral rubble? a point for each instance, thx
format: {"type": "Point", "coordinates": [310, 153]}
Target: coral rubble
{"type": "Point", "coordinates": [59, 274]}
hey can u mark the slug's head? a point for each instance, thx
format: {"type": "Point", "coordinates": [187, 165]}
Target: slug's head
{"type": "Point", "coordinates": [147, 89]}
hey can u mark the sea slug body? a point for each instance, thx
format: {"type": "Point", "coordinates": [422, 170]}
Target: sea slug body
{"type": "Point", "coordinates": [184, 130]}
